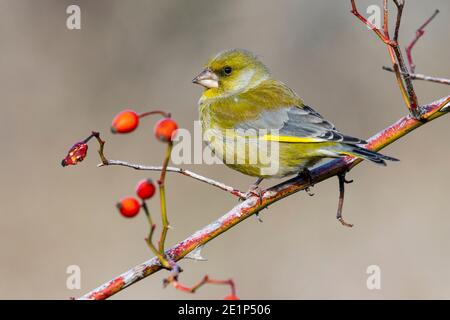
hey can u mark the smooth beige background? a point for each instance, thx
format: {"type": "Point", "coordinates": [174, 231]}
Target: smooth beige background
{"type": "Point", "coordinates": [56, 85]}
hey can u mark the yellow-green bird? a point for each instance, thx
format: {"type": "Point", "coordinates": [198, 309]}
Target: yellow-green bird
{"type": "Point", "coordinates": [242, 102]}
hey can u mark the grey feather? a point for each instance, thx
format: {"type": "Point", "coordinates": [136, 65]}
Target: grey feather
{"type": "Point", "coordinates": [299, 122]}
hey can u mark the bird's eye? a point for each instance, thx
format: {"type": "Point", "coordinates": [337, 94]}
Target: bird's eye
{"type": "Point", "coordinates": [227, 70]}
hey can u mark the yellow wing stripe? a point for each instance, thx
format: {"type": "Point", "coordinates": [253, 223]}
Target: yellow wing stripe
{"type": "Point", "coordinates": [269, 137]}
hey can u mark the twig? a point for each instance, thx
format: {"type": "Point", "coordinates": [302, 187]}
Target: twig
{"type": "Point", "coordinates": [418, 76]}
{"type": "Point", "coordinates": [184, 172]}
{"type": "Point", "coordinates": [202, 282]}
{"type": "Point", "coordinates": [342, 182]}
{"type": "Point", "coordinates": [400, 5]}
{"type": "Point", "coordinates": [374, 28]}
{"type": "Point", "coordinates": [404, 81]}
{"type": "Point", "coordinates": [252, 205]}
{"type": "Point", "coordinates": [102, 146]}
{"type": "Point", "coordinates": [419, 33]}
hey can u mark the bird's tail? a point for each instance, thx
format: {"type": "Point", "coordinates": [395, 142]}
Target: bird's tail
{"type": "Point", "coordinates": [366, 154]}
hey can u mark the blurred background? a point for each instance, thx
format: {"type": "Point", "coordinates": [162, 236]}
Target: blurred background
{"type": "Point", "coordinates": [57, 85]}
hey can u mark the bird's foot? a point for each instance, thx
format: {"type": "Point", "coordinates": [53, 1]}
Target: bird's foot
{"type": "Point", "coordinates": [254, 191]}
{"type": "Point", "coordinates": [306, 175]}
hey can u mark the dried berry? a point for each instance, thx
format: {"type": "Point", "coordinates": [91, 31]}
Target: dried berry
{"type": "Point", "coordinates": [76, 154]}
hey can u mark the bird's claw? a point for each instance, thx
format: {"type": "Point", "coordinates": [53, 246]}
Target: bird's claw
{"type": "Point", "coordinates": [306, 175]}
{"type": "Point", "coordinates": [254, 192]}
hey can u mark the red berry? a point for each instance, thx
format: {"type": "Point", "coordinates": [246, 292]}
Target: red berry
{"type": "Point", "coordinates": [145, 189]}
{"type": "Point", "coordinates": [126, 121]}
{"type": "Point", "coordinates": [165, 129]}
{"type": "Point", "coordinates": [231, 297]}
{"type": "Point", "coordinates": [129, 207]}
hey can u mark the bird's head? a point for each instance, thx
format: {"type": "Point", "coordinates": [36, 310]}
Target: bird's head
{"type": "Point", "coordinates": [231, 72]}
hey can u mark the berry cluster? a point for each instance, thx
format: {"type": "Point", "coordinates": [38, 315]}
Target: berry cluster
{"type": "Point", "coordinates": [165, 130]}
{"type": "Point", "coordinates": [128, 120]}
{"type": "Point", "coordinates": [129, 207]}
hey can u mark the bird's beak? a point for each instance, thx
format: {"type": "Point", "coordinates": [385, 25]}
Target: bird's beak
{"type": "Point", "coordinates": [207, 78]}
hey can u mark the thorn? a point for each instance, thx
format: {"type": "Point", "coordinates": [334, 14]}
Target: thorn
{"type": "Point", "coordinates": [196, 254]}
{"type": "Point", "coordinates": [309, 192]}
{"type": "Point", "coordinates": [345, 224]}
{"type": "Point", "coordinates": [259, 218]}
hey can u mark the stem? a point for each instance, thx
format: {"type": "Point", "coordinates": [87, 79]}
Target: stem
{"type": "Point", "coordinates": [149, 241]}
{"type": "Point", "coordinates": [205, 280]}
{"type": "Point", "coordinates": [149, 113]}
{"type": "Point", "coordinates": [164, 219]}
{"type": "Point", "coordinates": [162, 197]}
{"type": "Point", "coordinates": [102, 146]}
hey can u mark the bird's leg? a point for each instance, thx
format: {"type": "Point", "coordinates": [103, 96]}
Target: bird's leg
{"type": "Point", "coordinates": [255, 190]}
{"type": "Point", "coordinates": [306, 175]}
{"type": "Point", "coordinates": [342, 182]}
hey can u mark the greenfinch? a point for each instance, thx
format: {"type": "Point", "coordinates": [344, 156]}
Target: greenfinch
{"type": "Point", "coordinates": [242, 102]}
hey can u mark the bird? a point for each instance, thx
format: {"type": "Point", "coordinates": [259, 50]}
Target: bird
{"type": "Point", "coordinates": [241, 101]}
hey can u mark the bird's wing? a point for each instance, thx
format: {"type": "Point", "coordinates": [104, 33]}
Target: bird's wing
{"type": "Point", "coordinates": [297, 124]}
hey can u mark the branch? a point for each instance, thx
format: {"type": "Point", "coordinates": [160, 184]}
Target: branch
{"type": "Point", "coordinates": [419, 33]}
{"type": "Point", "coordinates": [418, 76]}
{"type": "Point", "coordinates": [184, 172]}
{"type": "Point", "coordinates": [205, 280]}
{"type": "Point", "coordinates": [253, 204]}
